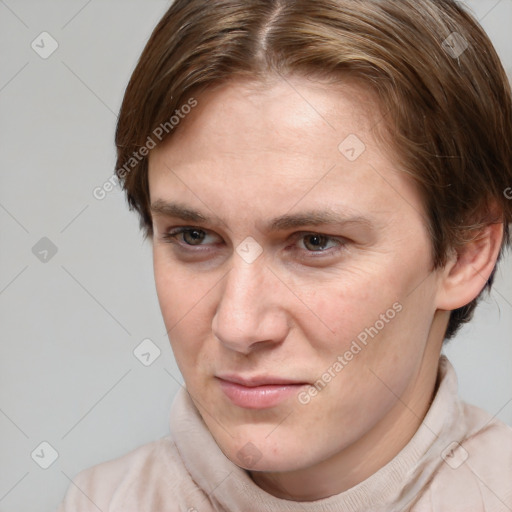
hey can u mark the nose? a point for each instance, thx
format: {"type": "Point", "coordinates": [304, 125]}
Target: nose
{"type": "Point", "coordinates": [251, 311]}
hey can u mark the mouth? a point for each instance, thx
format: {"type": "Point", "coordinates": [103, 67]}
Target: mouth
{"type": "Point", "coordinates": [258, 393]}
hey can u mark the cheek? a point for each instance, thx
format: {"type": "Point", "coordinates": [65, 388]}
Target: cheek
{"type": "Point", "coordinates": [372, 320]}
{"type": "Point", "coordinates": [184, 303]}
{"type": "Point", "coordinates": [346, 304]}
{"type": "Point", "coordinates": [380, 332]}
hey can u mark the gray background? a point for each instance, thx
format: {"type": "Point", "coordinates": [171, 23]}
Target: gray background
{"type": "Point", "coordinates": [71, 323]}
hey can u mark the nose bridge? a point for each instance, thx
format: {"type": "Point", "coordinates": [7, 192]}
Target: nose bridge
{"type": "Point", "coordinates": [247, 311]}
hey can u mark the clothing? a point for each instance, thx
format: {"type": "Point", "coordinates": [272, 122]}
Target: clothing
{"type": "Point", "coordinates": [187, 471]}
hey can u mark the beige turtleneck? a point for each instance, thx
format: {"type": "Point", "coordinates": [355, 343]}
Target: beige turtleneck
{"type": "Point", "coordinates": [459, 460]}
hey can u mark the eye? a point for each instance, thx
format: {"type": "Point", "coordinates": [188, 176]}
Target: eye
{"type": "Point", "coordinates": [317, 248]}
{"type": "Point", "coordinates": [316, 242]}
{"type": "Point", "coordinates": [187, 236]}
{"type": "Point", "coordinates": [305, 245]}
{"type": "Point", "coordinates": [193, 236]}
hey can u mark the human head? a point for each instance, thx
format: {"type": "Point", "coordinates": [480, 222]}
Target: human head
{"type": "Point", "coordinates": [256, 99]}
{"type": "Point", "coordinates": [428, 62]}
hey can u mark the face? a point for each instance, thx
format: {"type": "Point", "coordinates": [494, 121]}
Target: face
{"type": "Point", "coordinates": [292, 267]}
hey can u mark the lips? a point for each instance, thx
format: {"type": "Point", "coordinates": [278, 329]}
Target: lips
{"type": "Point", "coordinates": [259, 380]}
{"type": "Point", "coordinates": [258, 392]}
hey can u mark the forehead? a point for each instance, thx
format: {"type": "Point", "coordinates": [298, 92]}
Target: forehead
{"type": "Point", "coordinates": [285, 114]}
{"type": "Point", "coordinates": [280, 145]}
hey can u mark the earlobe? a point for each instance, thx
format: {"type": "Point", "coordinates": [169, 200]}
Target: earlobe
{"type": "Point", "coordinates": [469, 268]}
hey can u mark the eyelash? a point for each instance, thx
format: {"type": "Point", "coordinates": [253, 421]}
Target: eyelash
{"type": "Point", "coordinates": [172, 236]}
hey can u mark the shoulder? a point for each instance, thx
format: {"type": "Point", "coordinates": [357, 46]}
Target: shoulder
{"type": "Point", "coordinates": [488, 442]}
{"type": "Point", "coordinates": [140, 480]}
{"type": "Point", "coordinates": [475, 472]}
{"type": "Point", "coordinates": [488, 446]}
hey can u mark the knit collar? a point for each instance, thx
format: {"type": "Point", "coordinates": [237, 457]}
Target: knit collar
{"type": "Point", "coordinates": [394, 487]}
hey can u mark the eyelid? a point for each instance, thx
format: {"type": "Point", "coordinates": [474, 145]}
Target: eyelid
{"type": "Point", "coordinates": [173, 233]}
{"type": "Point", "coordinates": [302, 234]}
{"type": "Point", "coordinates": [341, 242]}
{"type": "Point", "coordinates": [305, 254]}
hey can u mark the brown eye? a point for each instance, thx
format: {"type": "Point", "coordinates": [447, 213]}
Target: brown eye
{"type": "Point", "coordinates": [190, 237]}
{"type": "Point", "coordinates": [316, 242]}
{"type": "Point", "coordinates": [193, 236]}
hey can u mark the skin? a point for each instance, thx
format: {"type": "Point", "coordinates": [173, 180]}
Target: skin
{"type": "Point", "coordinates": [250, 152]}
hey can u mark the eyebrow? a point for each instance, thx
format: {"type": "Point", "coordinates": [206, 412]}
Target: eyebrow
{"type": "Point", "coordinates": [282, 223]}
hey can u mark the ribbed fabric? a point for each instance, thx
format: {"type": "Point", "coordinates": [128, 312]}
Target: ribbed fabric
{"type": "Point", "coordinates": [187, 471]}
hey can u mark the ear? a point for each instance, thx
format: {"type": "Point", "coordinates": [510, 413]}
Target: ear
{"type": "Point", "coordinates": [469, 268]}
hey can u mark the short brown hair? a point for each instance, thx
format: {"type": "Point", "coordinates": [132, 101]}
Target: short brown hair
{"type": "Point", "coordinates": [436, 73]}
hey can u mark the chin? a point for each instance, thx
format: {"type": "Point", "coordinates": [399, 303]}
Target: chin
{"type": "Point", "coordinates": [256, 451]}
